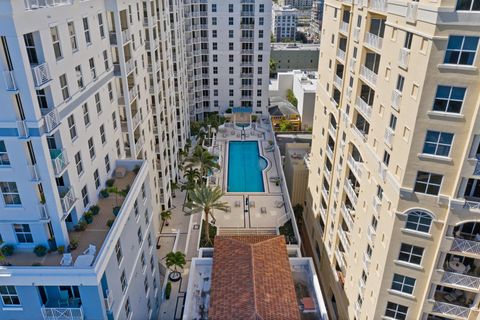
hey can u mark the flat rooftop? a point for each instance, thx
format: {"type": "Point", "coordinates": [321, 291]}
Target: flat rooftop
{"type": "Point", "coordinates": [95, 233]}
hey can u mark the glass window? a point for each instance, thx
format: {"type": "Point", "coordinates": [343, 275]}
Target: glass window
{"type": "Point", "coordinates": [4, 159]}
{"type": "Point", "coordinates": [128, 310]}
{"type": "Point", "coordinates": [73, 36]}
{"type": "Point", "coordinates": [96, 178]}
{"type": "Point", "coordinates": [78, 163]}
{"type": "Point", "coordinates": [56, 43]}
{"type": "Point", "coordinates": [118, 252]}
{"type": "Point", "coordinates": [71, 127]}
{"type": "Point", "coordinates": [107, 163]}
{"type": "Point", "coordinates": [78, 72]}
{"type": "Point", "coordinates": [438, 143]}
{"type": "Point", "coordinates": [123, 281]}
{"type": "Point", "coordinates": [91, 148]}
{"type": "Point", "coordinates": [86, 30]}
{"type": "Point", "coordinates": [93, 72]}
{"type": "Point", "coordinates": [86, 117]}
{"type": "Point", "coordinates": [30, 46]}
{"type": "Point", "coordinates": [64, 86]}
{"type": "Point", "coordinates": [461, 50]}
{"type": "Point", "coordinates": [428, 183]}
{"type": "Point", "coordinates": [403, 284]}
{"type": "Point", "coordinates": [85, 198]}
{"type": "Point", "coordinates": [11, 196]}
{"type": "Point", "coordinates": [396, 311]}
{"type": "Point", "coordinates": [419, 221]}
{"type": "Point", "coordinates": [449, 99]}
{"type": "Point", "coordinates": [100, 25]}
{"type": "Point", "coordinates": [102, 134]}
{"type": "Point", "coordinates": [98, 103]}
{"type": "Point", "coordinates": [468, 5]}
{"type": "Point", "coordinates": [23, 233]}
{"type": "Point", "coordinates": [411, 254]}
{"type": "Point", "coordinates": [9, 296]}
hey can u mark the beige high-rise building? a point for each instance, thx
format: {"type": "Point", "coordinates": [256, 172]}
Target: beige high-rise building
{"type": "Point", "coordinates": [394, 187]}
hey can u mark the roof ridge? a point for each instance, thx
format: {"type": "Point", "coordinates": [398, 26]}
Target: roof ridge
{"type": "Point", "coordinates": [254, 287]}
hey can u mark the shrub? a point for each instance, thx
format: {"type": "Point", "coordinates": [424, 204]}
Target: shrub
{"type": "Point", "coordinates": [40, 250]}
{"type": "Point", "coordinates": [168, 290]}
{"type": "Point", "coordinates": [8, 250]}
{"type": "Point", "coordinates": [88, 216]}
{"type": "Point", "coordinates": [73, 244]}
{"type": "Point", "coordinates": [61, 249]}
{"type": "Point", "coordinates": [116, 210]}
{"type": "Point", "coordinates": [104, 193]}
{"type": "Point", "coordinates": [291, 98]}
{"type": "Point", "coordinates": [81, 226]}
{"type": "Point", "coordinates": [229, 110]}
{"type": "Point", "coordinates": [110, 222]}
{"type": "Point", "coordinates": [110, 182]}
{"type": "Point", "coordinates": [95, 210]}
{"type": "Point", "coordinates": [136, 169]}
{"type": "Point", "coordinates": [37, 264]}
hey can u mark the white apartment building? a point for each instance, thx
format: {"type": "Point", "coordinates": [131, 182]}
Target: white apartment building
{"type": "Point", "coordinates": [297, 4]}
{"type": "Point", "coordinates": [284, 23]}
{"type": "Point", "coordinates": [393, 202]}
{"type": "Point", "coordinates": [88, 95]}
{"type": "Point", "coordinates": [228, 50]}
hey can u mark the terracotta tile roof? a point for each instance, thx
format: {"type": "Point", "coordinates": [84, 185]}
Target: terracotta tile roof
{"type": "Point", "coordinates": [251, 279]}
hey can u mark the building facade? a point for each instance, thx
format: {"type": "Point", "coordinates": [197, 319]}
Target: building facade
{"type": "Point", "coordinates": [295, 56]}
{"type": "Point", "coordinates": [228, 50]}
{"type": "Point", "coordinates": [316, 19]}
{"type": "Point", "coordinates": [297, 4]}
{"type": "Point", "coordinates": [392, 204]}
{"type": "Point", "coordinates": [284, 23]}
{"type": "Point", "coordinates": [89, 95]}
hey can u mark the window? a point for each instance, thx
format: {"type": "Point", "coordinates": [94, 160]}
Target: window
{"type": "Point", "coordinates": [152, 264]}
{"type": "Point", "coordinates": [260, 34]}
{"type": "Point", "coordinates": [468, 5]}
{"type": "Point", "coordinates": [105, 60]}
{"type": "Point", "coordinates": [428, 183]}
{"type": "Point", "coordinates": [144, 263]}
{"type": "Point", "coordinates": [86, 117]}
{"type": "Point", "coordinates": [438, 143]}
{"type": "Point", "coordinates": [411, 254]}
{"type": "Point", "coordinates": [145, 285]}
{"type": "Point", "coordinates": [128, 310]}
{"type": "Point", "coordinates": [261, 8]}
{"type": "Point", "coordinates": [96, 178]}
{"type": "Point", "coordinates": [231, 46]}
{"type": "Point", "coordinates": [419, 221]}
{"type": "Point", "coordinates": [230, 21]}
{"type": "Point", "coordinates": [139, 235]}
{"type": "Point", "coordinates": [4, 159]}
{"type": "Point", "coordinates": [107, 163]}
{"type": "Point", "coordinates": [396, 311]}
{"type": "Point", "coordinates": [91, 148]}
{"type": "Point", "coordinates": [23, 233]}
{"type": "Point", "coordinates": [114, 120]}
{"type": "Point", "coordinates": [461, 50]}
{"type": "Point", "coordinates": [230, 33]}
{"type": "Point", "coordinates": [123, 281]}
{"type": "Point", "coordinates": [110, 91]}
{"type": "Point", "coordinates": [408, 40]}
{"type": "Point", "coordinates": [73, 37]}
{"type": "Point", "coordinates": [214, 46]}
{"type": "Point", "coordinates": [230, 7]}
{"type": "Point", "coordinates": [86, 30]}
{"type": "Point", "coordinates": [118, 252]}
{"type": "Point", "coordinates": [386, 158]}
{"type": "Point", "coordinates": [102, 134]}
{"type": "Point", "coordinates": [91, 63]}
{"type": "Point", "coordinates": [72, 128]}
{"type": "Point", "coordinates": [64, 86]}
{"type": "Point", "coordinates": [100, 25]}
{"type": "Point", "coordinates": [149, 240]}
{"type": "Point", "coordinates": [42, 99]}
{"type": "Point", "coordinates": [56, 43]}
{"type": "Point", "coordinates": [85, 196]}
{"type": "Point", "coordinates": [9, 190]}
{"type": "Point", "coordinates": [78, 163]}
{"type": "Point", "coordinates": [98, 103]}
{"type": "Point", "coordinates": [400, 83]}
{"type": "Point", "coordinates": [260, 21]}
{"type": "Point", "coordinates": [403, 284]}
{"type": "Point", "coordinates": [214, 21]}
{"type": "Point", "coordinates": [449, 99]}
{"type": "Point", "coordinates": [214, 7]}
{"type": "Point", "coordinates": [78, 72]}
{"type": "Point", "coordinates": [30, 46]}
{"type": "Point", "coordinates": [9, 296]}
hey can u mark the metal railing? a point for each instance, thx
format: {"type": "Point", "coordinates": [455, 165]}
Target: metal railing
{"type": "Point", "coordinates": [139, 144]}
{"type": "Point", "coordinates": [461, 280]}
{"type": "Point", "coordinates": [9, 78]}
{"type": "Point", "coordinates": [356, 34]}
{"type": "Point", "coordinates": [355, 166]}
{"type": "Point", "coordinates": [379, 5]}
{"type": "Point", "coordinates": [368, 75]}
{"type": "Point", "coordinates": [347, 217]}
{"type": "Point", "coordinates": [396, 99]}
{"type": "Point", "coordinates": [33, 170]}
{"type": "Point", "coordinates": [340, 259]}
{"type": "Point", "coordinates": [344, 26]}
{"type": "Point", "coordinates": [467, 246]}
{"type": "Point", "coordinates": [389, 134]}
{"type": "Point", "coordinates": [129, 66]}
{"type": "Point", "coordinates": [323, 213]}
{"type": "Point", "coordinates": [52, 120]}
{"type": "Point", "coordinates": [59, 160]}
{"type": "Point", "coordinates": [132, 93]}
{"type": "Point", "coordinates": [451, 309]}
{"type": "Point", "coordinates": [364, 107]}
{"type": "Point", "coordinates": [337, 81]}
{"type": "Point", "coordinates": [329, 152]}
{"type": "Point", "coordinates": [67, 198]}
{"type": "Point", "coordinates": [41, 74]}
{"type": "Point", "coordinates": [38, 4]}
{"type": "Point", "coordinates": [126, 36]}
{"type": "Point", "coordinates": [403, 58]}
{"type": "Point", "coordinates": [136, 120]}
{"type": "Point", "coordinates": [351, 193]}
{"type": "Point", "coordinates": [371, 233]}
{"type": "Point", "coordinates": [366, 260]}
{"type": "Point", "coordinates": [62, 313]}
{"type": "Point", "coordinates": [411, 15]}
{"type": "Point", "coordinates": [108, 300]}
{"type": "Point", "coordinates": [343, 235]}
{"type": "Point", "coordinates": [22, 129]}
{"type": "Point", "coordinates": [376, 203]}
{"type": "Point", "coordinates": [373, 40]}
{"type": "Point", "coordinates": [352, 63]}
{"type": "Point", "coordinates": [341, 54]}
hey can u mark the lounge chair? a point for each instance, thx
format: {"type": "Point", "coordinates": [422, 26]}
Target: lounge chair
{"type": "Point", "coordinates": [252, 204]}
{"type": "Point", "coordinates": [66, 259]}
{"type": "Point", "coordinates": [263, 210]}
{"type": "Point", "coordinates": [274, 179]}
{"type": "Point", "coordinates": [90, 250]}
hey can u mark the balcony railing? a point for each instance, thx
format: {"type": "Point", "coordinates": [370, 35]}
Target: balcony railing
{"type": "Point", "coordinates": [344, 26]}
{"type": "Point", "coordinates": [62, 313]}
{"type": "Point", "coordinates": [108, 300]}
{"type": "Point", "coordinates": [139, 144]}
{"type": "Point", "coordinates": [343, 235]}
{"type": "Point", "coordinates": [329, 152]}
{"type": "Point", "coordinates": [347, 217]}
{"type": "Point", "coordinates": [52, 120]}
{"type": "Point", "coordinates": [356, 34]}
{"type": "Point", "coordinates": [126, 36]}
{"type": "Point", "coordinates": [366, 260]}
{"type": "Point", "coordinates": [364, 107]}
{"type": "Point", "coordinates": [461, 280]}
{"type": "Point", "coordinates": [466, 246]}
{"type": "Point", "coordinates": [332, 130]}
{"type": "Point", "coordinates": [325, 193]}
{"type": "Point", "coordinates": [43, 212]}
{"type": "Point", "coordinates": [328, 173]}
{"type": "Point", "coordinates": [379, 5]}
{"type": "Point", "coordinates": [352, 62]}
{"type": "Point", "coordinates": [382, 170]}
{"type": "Point", "coordinates": [340, 259]}
{"type": "Point", "coordinates": [323, 213]}
{"type": "Point", "coordinates": [351, 193]}
{"type": "Point", "coordinates": [376, 203]}
{"type": "Point", "coordinates": [412, 9]}
{"type": "Point", "coordinates": [349, 93]}
{"type": "Point", "coordinates": [368, 75]}
{"type": "Point", "coordinates": [341, 54]}
{"type": "Point", "coordinates": [389, 134]}
{"type": "Point", "coordinates": [403, 58]}
{"type": "Point", "coordinates": [133, 93]}
{"type": "Point", "coordinates": [38, 4]}
{"type": "Point", "coordinates": [67, 198]}
{"type": "Point", "coordinates": [373, 41]}
{"type": "Point", "coordinates": [9, 78]}
{"type": "Point", "coordinates": [396, 99]}
{"type": "Point", "coordinates": [33, 169]}
{"type": "Point", "coordinates": [371, 233]}
{"type": "Point", "coordinates": [355, 166]}
{"type": "Point", "coordinates": [450, 309]}
{"type": "Point", "coordinates": [129, 66]}
{"type": "Point", "coordinates": [361, 286]}
{"type": "Point", "coordinates": [41, 74]}
{"type": "Point", "coordinates": [136, 120]}
{"type": "Point", "coordinates": [59, 161]}
{"type": "Point", "coordinates": [338, 81]}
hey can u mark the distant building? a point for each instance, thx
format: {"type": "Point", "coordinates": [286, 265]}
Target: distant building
{"type": "Point", "coordinates": [316, 19]}
{"type": "Point", "coordinates": [295, 56]}
{"type": "Point", "coordinates": [284, 23]}
{"type": "Point", "coordinates": [297, 4]}
{"type": "Point", "coordinates": [296, 171]}
{"type": "Point", "coordinates": [303, 86]}
{"type": "Point", "coordinates": [280, 110]}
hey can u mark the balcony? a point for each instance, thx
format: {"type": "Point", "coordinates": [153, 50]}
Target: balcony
{"type": "Point", "coordinates": [340, 259]}
{"type": "Point", "coordinates": [59, 161]}
{"type": "Point", "coordinates": [403, 58]}
{"type": "Point", "coordinates": [341, 54]}
{"type": "Point", "coordinates": [323, 213]}
{"type": "Point", "coordinates": [371, 233]}
{"type": "Point", "coordinates": [389, 134]}
{"type": "Point", "coordinates": [126, 36]}
{"type": "Point", "coordinates": [10, 84]}
{"type": "Point", "coordinates": [337, 81]}
{"type": "Point", "coordinates": [396, 99]}
{"type": "Point", "coordinates": [351, 193]}
{"type": "Point", "coordinates": [451, 309]}
{"type": "Point", "coordinates": [247, 13]}
{"type": "Point", "coordinates": [139, 144]}
{"type": "Point", "coordinates": [44, 216]}
{"type": "Point", "coordinates": [465, 246]}
{"type": "Point", "coordinates": [347, 216]}
{"type": "Point", "coordinates": [364, 107]}
{"type": "Point", "coordinates": [378, 5]}
{"type": "Point", "coordinates": [344, 27]}
{"type": "Point", "coordinates": [38, 4]}
{"type": "Point", "coordinates": [67, 198]}
{"type": "Point", "coordinates": [366, 260]}
{"type": "Point", "coordinates": [33, 170]}
{"type": "Point", "coordinates": [108, 300]}
{"type": "Point", "coordinates": [356, 34]}
{"type": "Point", "coordinates": [329, 151]}
{"type": "Point", "coordinates": [349, 93]}
{"type": "Point", "coordinates": [129, 66]}
{"type": "Point", "coordinates": [41, 74]}
{"type": "Point", "coordinates": [52, 120]}
{"type": "Point", "coordinates": [132, 93]}
{"type": "Point", "coordinates": [376, 204]}
{"type": "Point", "coordinates": [62, 313]}
{"type": "Point", "coordinates": [352, 64]}
{"type": "Point", "coordinates": [361, 133]}
{"type": "Point", "coordinates": [344, 238]}
{"type": "Point", "coordinates": [412, 10]}
{"type": "Point", "coordinates": [462, 280]}
{"type": "Point", "coordinates": [373, 41]}
{"type": "Point", "coordinates": [325, 193]}
{"type": "Point", "coordinates": [355, 166]}
{"type": "Point", "coordinates": [136, 120]}
{"type": "Point", "coordinates": [332, 130]}
{"type": "Point", "coordinates": [368, 75]}
{"type": "Point", "coordinates": [328, 173]}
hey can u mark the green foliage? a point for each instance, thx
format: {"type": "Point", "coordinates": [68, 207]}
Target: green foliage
{"type": "Point", "coordinates": [7, 250]}
{"type": "Point", "coordinates": [95, 209]}
{"type": "Point", "coordinates": [61, 249]}
{"type": "Point", "coordinates": [273, 67]}
{"type": "Point", "coordinates": [291, 98]}
{"type": "Point", "coordinates": [136, 169]}
{"type": "Point", "coordinates": [73, 244]}
{"type": "Point", "coordinates": [228, 111]}
{"type": "Point", "coordinates": [166, 215]}
{"type": "Point", "coordinates": [40, 250]}
{"type": "Point", "coordinates": [81, 226]}
{"type": "Point", "coordinates": [168, 290]}
{"type": "Point", "coordinates": [175, 260]}
{"type": "Point", "coordinates": [110, 222]}
{"type": "Point", "coordinates": [287, 231]}
{"type": "Point", "coordinates": [104, 193]}
{"type": "Point", "coordinates": [88, 216]}
{"type": "Point", "coordinates": [298, 210]}
{"type": "Point", "coordinates": [285, 125]}
{"type": "Point", "coordinates": [195, 128]}
{"type": "Point", "coordinates": [212, 232]}
{"type": "Point", "coordinates": [110, 182]}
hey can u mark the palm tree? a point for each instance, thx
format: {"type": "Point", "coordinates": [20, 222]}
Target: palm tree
{"type": "Point", "coordinates": [175, 259]}
{"type": "Point", "coordinates": [205, 199]}
{"type": "Point", "coordinates": [166, 215]}
{"type": "Point", "coordinates": [192, 174]}
{"type": "Point", "coordinates": [205, 160]}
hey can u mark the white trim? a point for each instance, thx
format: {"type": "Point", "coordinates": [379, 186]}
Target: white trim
{"type": "Point", "coordinates": [417, 233]}
{"type": "Point", "coordinates": [408, 265]}
{"type": "Point", "coordinates": [457, 67]}
{"type": "Point", "coordinates": [427, 156]}
{"type": "Point", "coordinates": [441, 114]}
{"type": "Point", "coordinates": [402, 294]}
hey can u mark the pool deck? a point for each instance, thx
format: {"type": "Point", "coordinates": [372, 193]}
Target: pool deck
{"type": "Point", "coordinates": [266, 210]}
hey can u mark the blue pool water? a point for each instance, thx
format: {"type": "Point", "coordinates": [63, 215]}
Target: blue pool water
{"type": "Point", "coordinates": [245, 167]}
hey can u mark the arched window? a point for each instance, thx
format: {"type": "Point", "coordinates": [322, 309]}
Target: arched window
{"type": "Point", "coordinates": [419, 221]}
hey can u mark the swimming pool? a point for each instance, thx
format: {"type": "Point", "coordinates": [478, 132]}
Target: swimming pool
{"type": "Point", "coordinates": [245, 167]}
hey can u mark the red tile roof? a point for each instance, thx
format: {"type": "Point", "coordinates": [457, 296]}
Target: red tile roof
{"type": "Point", "coordinates": [251, 279]}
